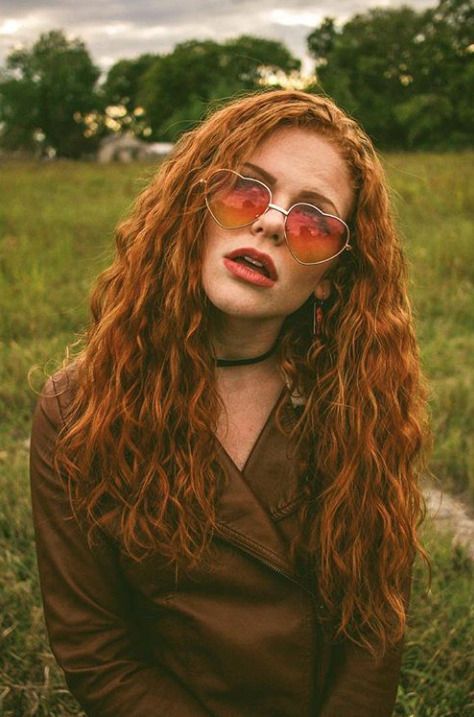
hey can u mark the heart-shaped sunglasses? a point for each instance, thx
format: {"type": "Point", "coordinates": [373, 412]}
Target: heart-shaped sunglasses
{"type": "Point", "coordinates": [311, 235]}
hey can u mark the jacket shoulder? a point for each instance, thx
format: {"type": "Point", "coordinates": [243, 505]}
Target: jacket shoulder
{"type": "Point", "coordinates": [56, 396]}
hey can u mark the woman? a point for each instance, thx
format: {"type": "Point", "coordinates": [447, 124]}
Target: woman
{"type": "Point", "coordinates": [224, 480]}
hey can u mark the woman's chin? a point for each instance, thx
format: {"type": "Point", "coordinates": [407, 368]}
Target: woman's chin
{"type": "Point", "coordinates": [233, 307]}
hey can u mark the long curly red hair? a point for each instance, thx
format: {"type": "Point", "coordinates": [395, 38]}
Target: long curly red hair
{"type": "Point", "coordinates": [140, 448]}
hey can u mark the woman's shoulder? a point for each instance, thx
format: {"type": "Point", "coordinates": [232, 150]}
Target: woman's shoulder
{"type": "Point", "coordinates": [55, 398]}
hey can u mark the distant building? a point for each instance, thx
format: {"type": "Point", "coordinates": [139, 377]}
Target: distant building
{"type": "Point", "coordinates": [128, 148]}
{"type": "Point", "coordinates": [160, 149]}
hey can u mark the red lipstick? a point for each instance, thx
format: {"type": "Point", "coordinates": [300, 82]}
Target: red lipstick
{"type": "Point", "coordinates": [251, 265]}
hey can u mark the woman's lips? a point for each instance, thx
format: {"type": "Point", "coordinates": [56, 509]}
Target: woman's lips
{"type": "Point", "coordinates": [242, 271]}
{"type": "Point", "coordinates": [254, 255]}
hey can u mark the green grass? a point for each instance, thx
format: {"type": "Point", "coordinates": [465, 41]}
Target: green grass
{"type": "Point", "coordinates": [56, 229]}
{"type": "Point", "coordinates": [434, 197]}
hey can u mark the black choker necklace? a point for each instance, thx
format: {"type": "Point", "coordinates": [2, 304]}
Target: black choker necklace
{"type": "Point", "coordinates": [246, 361]}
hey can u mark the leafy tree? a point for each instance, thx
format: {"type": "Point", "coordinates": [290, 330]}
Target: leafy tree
{"type": "Point", "coordinates": [404, 74]}
{"type": "Point", "coordinates": [321, 40]}
{"type": "Point", "coordinates": [122, 84]}
{"type": "Point", "coordinates": [44, 92]}
{"type": "Point", "coordinates": [177, 81]}
{"type": "Point", "coordinates": [367, 66]}
{"type": "Point", "coordinates": [177, 88]}
{"type": "Point", "coordinates": [246, 59]}
{"type": "Point", "coordinates": [445, 76]}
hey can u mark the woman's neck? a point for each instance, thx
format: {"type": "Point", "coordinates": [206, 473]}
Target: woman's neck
{"type": "Point", "coordinates": [239, 338]}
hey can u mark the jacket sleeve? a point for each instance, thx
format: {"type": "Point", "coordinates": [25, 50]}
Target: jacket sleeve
{"type": "Point", "coordinates": [85, 600]}
{"type": "Point", "coordinates": [360, 686]}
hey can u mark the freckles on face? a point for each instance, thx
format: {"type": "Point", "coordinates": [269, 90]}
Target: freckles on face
{"type": "Point", "coordinates": [233, 296]}
{"type": "Point", "coordinates": [298, 165]}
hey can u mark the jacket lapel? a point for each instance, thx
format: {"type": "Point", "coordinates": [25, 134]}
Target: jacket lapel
{"type": "Point", "coordinates": [254, 499]}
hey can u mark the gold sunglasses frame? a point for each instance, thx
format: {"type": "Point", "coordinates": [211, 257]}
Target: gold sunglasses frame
{"type": "Point", "coordinates": [347, 246]}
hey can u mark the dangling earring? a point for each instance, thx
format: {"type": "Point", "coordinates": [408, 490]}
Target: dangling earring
{"type": "Point", "coordinates": [318, 316]}
{"type": "Point", "coordinates": [320, 305]}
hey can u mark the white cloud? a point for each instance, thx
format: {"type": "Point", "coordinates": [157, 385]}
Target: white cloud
{"type": "Point", "coordinates": [106, 61]}
{"type": "Point", "coordinates": [10, 26]}
{"type": "Point", "coordinates": [293, 18]}
{"type": "Point", "coordinates": [114, 29]}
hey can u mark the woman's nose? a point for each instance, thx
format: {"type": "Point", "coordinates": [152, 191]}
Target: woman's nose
{"type": "Point", "coordinates": [271, 225]}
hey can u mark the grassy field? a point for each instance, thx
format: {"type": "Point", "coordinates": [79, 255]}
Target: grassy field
{"type": "Point", "coordinates": [56, 228]}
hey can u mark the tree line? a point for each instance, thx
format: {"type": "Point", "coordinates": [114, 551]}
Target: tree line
{"type": "Point", "coordinates": [407, 76]}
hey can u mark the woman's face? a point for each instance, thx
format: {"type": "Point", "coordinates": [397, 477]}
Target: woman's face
{"type": "Point", "coordinates": [299, 166]}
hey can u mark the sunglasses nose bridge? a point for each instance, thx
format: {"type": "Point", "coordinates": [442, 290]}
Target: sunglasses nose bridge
{"type": "Point", "coordinates": [278, 209]}
{"type": "Point", "coordinates": [270, 225]}
{"type": "Point", "coordinates": [281, 210]}
{"type": "Point", "coordinates": [285, 213]}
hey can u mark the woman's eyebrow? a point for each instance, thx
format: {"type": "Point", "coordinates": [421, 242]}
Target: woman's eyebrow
{"type": "Point", "coordinates": [306, 194]}
{"type": "Point", "coordinates": [266, 175]}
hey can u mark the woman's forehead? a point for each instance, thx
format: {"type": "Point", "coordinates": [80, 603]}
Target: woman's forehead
{"type": "Point", "coordinates": [304, 160]}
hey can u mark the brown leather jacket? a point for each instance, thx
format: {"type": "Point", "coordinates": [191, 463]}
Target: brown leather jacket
{"type": "Point", "coordinates": [239, 637]}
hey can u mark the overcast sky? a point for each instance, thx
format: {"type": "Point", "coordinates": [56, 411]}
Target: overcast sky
{"type": "Point", "coordinates": [114, 29]}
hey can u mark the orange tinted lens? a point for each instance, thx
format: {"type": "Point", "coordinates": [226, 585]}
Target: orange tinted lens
{"type": "Point", "coordinates": [312, 235]}
{"type": "Point", "coordinates": [235, 201]}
